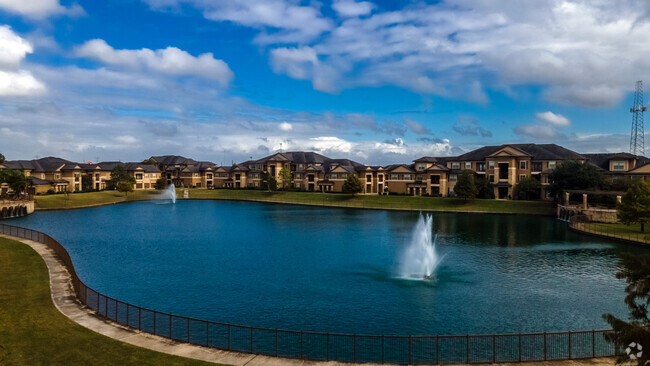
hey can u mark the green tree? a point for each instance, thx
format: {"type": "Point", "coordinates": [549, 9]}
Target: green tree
{"type": "Point", "coordinates": [86, 182]}
{"type": "Point", "coordinates": [465, 187]}
{"type": "Point", "coordinates": [150, 161]}
{"type": "Point", "coordinates": [527, 188]}
{"type": "Point", "coordinates": [15, 179]}
{"type": "Point", "coordinates": [352, 184]}
{"type": "Point", "coordinates": [161, 183]}
{"type": "Point", "coordinates": [270, 183]}
{"type": "Point", "coordinates": [2, 158]}
{"type": "Point", "coordinates": [484, 187]}
{"type": "Point", "coordinates": [120, 178]}
{"type": "Point", "coordinates": [635, 205]}
{"type": "Point", "coordinates": [125, 187]}
{"type": "Point", "coordinates": [573, 174]}
{"type": "Point", "coordinates": [635, 270]}
{"type": "Point", "coordinates": [286, 178]}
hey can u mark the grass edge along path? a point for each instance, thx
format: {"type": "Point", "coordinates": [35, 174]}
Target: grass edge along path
{"type": "Point", "coordinates": [386, 202]}
{"type": "Point", "coordinates": [618, 230]}
{"type": "Point", "coordinates": [34, 332]}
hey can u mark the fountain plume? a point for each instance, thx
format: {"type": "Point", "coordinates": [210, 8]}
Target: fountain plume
{"type": "Point", "coordinates": [170, 193]}
{"type": "Point", "coordinates": [420, 259]}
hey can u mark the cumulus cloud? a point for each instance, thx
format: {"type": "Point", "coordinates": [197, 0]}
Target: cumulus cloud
{"type": "Point", "coordinates": [557, 120]}
{"type": "Point", "coordinates": [285, 126]}
{"type": "Point", "coordinates": [416, 127]}
{"type": "Point", "coordinates": [170, 60]}
{"type": "Point", "coordinates": [39, 9]}
{"type": "Point", "coordinates": [302, 63]}
{"type": "Point", "coordinates": [351, 8]}
{"type": "Point", "coordinates": [13, 79]}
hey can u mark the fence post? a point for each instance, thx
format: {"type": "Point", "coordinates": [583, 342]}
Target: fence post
{"type": "Point", "coordinates": [519, 347]}
{"type": "Point", "coordinates": [382, 348]}
{"type": "Point", "coordinates": [409, 349]}
{"type": "Point", "coordinates": [569, 345]}
{"type": "Point", "coordinates": [593, 343]}
{"type": "Point", "coordinates": [139, 318]}
{"type": "Point", "coordinates": [327, 347]}
{"type": "Point", "coordinates": [544, 346]}
{"type": "Point", "coordinates": [467, 348]}
{"type": "Point", "coordinates": [494, 348]}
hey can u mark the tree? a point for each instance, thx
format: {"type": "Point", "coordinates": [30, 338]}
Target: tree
{"type": "Point", "coordinates": [15, 179]}
{"type": "Point", "coordinates": [484, 188]}
{"type": "Point", "coordinates": [86, 182]}
{"type": "Point", "coordinates": [286, 178]}
{"type": "Point", "coordinates": [352, 184]}
{"type": "Point", "coordinates": [527, 188]}
{"type": "Point", "coordinates": [635, 205]}
{"type": "Point", "coordinates": [270, 182]}
{"type": "Point", "coordinates": [150, 161]}
{"type": "Point", "coordinates": [573, 174]}
{"type": "Point", "coordinates": [635, 270]}
{"type": "Point", "coordinates": [465, 187]}
{"type": "Point", "coordinates": [120, 178]}
{"type": "Point", "coordinates": [2, 158]}
{"type": "Point", "coordinates": [161, 183]}
{"type": "Point", "coordinates": [125, 187]}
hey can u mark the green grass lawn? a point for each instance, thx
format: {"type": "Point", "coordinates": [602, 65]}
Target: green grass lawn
{"type": "Point", "coordinates": [619, 230]}
{"type": "Point", "coordinates": [379, 202]}
{"type": "Point", "coordinates": [34, 332]}
{"type": "Point", "coordinates": [78, 200]}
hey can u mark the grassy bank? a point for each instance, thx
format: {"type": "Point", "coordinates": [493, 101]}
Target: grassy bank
{"type": "Point", "coordinates": [377, 202]}
{"type": "Point", "coordinates": [617, 230]}
{"type": "Point", "coordinates": [79, 200]}
{"type": "Point", "coordinates": [34, 332]}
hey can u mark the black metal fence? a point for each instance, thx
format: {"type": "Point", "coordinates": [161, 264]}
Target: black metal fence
{"type": "Point", "coordinates": [609, 230]}
{"type": "Point", "coordinates": [437, 349]}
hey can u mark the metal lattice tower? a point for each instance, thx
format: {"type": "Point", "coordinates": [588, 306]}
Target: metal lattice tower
{"type": "Point", "coordinates": [637, 145]}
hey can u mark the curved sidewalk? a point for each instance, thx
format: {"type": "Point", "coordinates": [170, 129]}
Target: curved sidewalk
{"type": "Point", "coordinates": [66, 302]}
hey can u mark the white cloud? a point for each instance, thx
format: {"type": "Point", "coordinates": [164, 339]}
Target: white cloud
{"type": "Point", "coordinates": [39, 9]}
{"type": "Point", "coordinates": [351, 8]}
{"type": "Point", "coordinates": [302, 63]}
{"type": "Point", "coordinates": [13, 79]}
{"type": "Point", "coordinates": [126, 140]}
{"type": "Point", "coordinates": [170, 60]}
{"type": "Point", "coordinates": [557, 120]}
{"type": "Point", "coordinates": [285, 126]}
{"type": "Point", "coordinates": [280, 21]}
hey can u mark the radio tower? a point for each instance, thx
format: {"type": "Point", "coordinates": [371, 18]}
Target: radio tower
{"type": "Point", "coordinates": [637, 146]}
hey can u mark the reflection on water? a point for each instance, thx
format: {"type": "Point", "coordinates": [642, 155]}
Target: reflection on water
{"type": "Point", "coordinates": [333, 270]}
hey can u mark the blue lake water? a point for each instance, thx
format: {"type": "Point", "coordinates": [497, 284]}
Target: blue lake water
{"type": "Point", "coordinates": [335, 270]}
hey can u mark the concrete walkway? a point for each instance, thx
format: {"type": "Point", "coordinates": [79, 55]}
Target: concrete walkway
{"type": "Point", "coordinates": [65, 300]}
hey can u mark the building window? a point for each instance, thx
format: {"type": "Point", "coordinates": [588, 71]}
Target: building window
{"type": "Point", "coordinates": [332, 176]}
{"type": "Point", "coordinates": [407, 176]}
{"type": "Point", "coordinates": [536, 167]}
{"type": "Point", "coordinates": [421, 167]}
{"type": "Point", "coordinates": [138, 176]}
{"type": "Point", "coordinates": [551, 164]}
{"type": "Point", "coordinates": [491, 165]}
{"type": "Point", "coordinates": [393, 177]}
{"type": "Point", "coordinates": [523, 165]}
{"type": "Point", "coordinates": [480, 167]}
{"type": "Point", "coordinates": [491, 178]}
{"type": "Point", "coordinates": [522, 177]}
{"type": "Point", "coordinates": [368, 178]}
{"type": "Point", "coordinates": [468, 165]}
{"type": "Point", "coordinates": [435, 179]}
{"type": "Point", "coordinates": [300, 166]}
{"type": "Point", "coordinates": [58, 176]}
{"type": "Point", "coordinates": [618, 165]}
{"type": "Point", "coordinates": [455, 165]}
{"type": "Point", "coordinates": [453, 177]}
{"type": "Point", "coordinates": [344, 176]}
{"type": "Point", "coordinates": [380, 178]}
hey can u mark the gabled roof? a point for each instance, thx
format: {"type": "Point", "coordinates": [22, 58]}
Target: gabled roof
{"type": "Point", "coordinates": [173, 160]}
{"type": "Point", "coordinates": [392, 167]}
{"type": "Point", "coordinates": [536, 152]}
{"type": "Point", "coordinates": [601, 160]}
{"type": "Point", "coordinates": [146, 168]}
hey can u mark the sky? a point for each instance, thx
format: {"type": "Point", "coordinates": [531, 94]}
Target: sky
{"type": "Point", "coordinates": [378, 82]}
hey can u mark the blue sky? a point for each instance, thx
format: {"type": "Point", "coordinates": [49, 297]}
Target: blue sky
{"type": "Point", "coordinates": [378, 82]}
